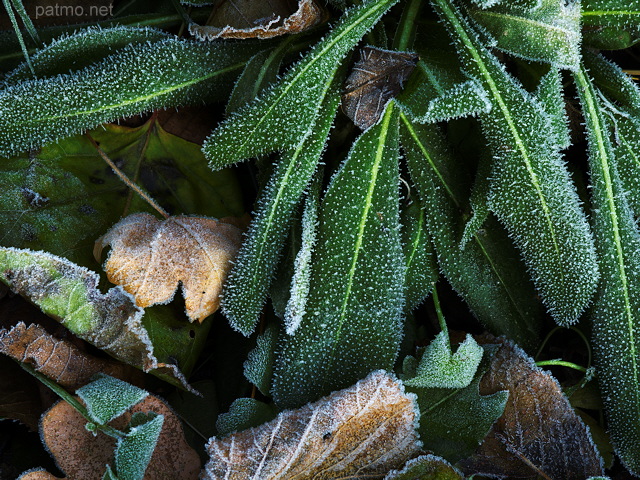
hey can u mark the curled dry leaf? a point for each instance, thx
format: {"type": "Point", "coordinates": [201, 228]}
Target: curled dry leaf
{"type": "Point", "coordinates": [363, 431]}
{"type": "Point", "coordinates": [58, 359]}
{"type": "Point", "coordinates": [539, 434]}
{"type": "Point", "coordinates": [150, 258]}
{"type": "Point", "coordinates": [376, 78]}
{"type": "Point", "coordinates": [259, 19]}
{"type": "Point", "coordinates": [82, 456]}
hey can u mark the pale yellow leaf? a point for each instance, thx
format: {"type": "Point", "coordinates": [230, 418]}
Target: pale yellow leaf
{"type": "Point", "coordinates": [150, 258]}
{"type": "Point", "coordinates": [361, 432]}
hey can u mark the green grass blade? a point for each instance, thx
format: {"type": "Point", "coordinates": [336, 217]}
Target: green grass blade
{"type": "Point", "coordinates": [14, 22]}
{"type": "Point", "coordinates": [531, 191]}
{"type": "Point", "coordinates": [248, 283]}
{"type": "Point", "coordinates": [281, 116]}
{"type": "Point", "coordinates": [616, 310]}
{"type": "Point", "coordinates": [355, 304]}
{"type": "Point", "coordinates": [487, 272]}
{"type": "Point", "coordinates": [136, 79]}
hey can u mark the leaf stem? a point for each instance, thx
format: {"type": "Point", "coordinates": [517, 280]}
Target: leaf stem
{"type": "Point", "coordinates": [441, 320]}
{"type": "Point", "coordinates": [126, 180]}
{"type": "Point", "coordinates": [561, 363]}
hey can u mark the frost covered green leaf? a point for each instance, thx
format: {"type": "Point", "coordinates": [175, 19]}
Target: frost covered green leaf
{"type": "Point", "coordinates": [258, 368]}
{"type": "Point", "coordinates": [426, 467]}
{"type": "Point", "coordinates": [439, 367]}
{"type": "Point", "coordinates": [616, 322]}
{"type": "Point", "coordinates": [138, 78]}
{"type": "Point", "coordinates": [487, 272]}
{"type": "Point", "coordinates": [244, 413]}
{"type": "Point", "coordinates": [133, 452]}
{"type": "Point", "coordinates": [281, 117]}
{"type": "Point", "coordinates": [531, 192]}
{"type": "Point", "coordinates": [249, 280]}
{"type": "Point", "coordinates": [549, 33]}
{"type": "Point", "coordinates": [551, 96]}
{"type": "Point", "coordinates": [353, 314]}
{"type": "Point", "coordinates": [107, 398]}
{"type": "Point", "coordinates": [611, 24]}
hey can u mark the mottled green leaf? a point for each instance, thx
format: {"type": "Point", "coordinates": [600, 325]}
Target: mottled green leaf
{"type": "Point", "coordinates": [531, 190]}
{"type": "Point", "coordinates": [426, 467]}
{"type": "Point", "coordinates": [282, 116]}
{"type": "Point", "coordinates": [137, 78]}
{"type": "Point", "coordinates": [107, 398]}
{"type": "Point", "coordinates": [421, 270]}
{"type": "Point", "coordinates": [353, 314]}
{"type": "Point", "coordinates": [615, 313]}
{"type": "Point", "coordinates": [249, 280]}
{"type": "Point", "coordinates": [73, 52]}
{"type": "Point", "coordinates": [439, 367]}
{"type": "Point", "coordinates": [487, 273]}
{"type": "Point", "coordinates": [549, 33]}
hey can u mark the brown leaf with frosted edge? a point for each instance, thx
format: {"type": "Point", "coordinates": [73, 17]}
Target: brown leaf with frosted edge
{"type": "Point", "coordinates": [82, 456]}
{"type": "Point", "coordinates": [37, 475]}
{"type": "Point", "coordinates": [58, 359]}
{"type": "Point", "coordinates": [363, 431]}
{"type": "Point", "coordinates": [259, 19]}
{"type": "Point", "coordinates": [150, 258]}
{"type": "Point", "coordinates": [375, 79]}
{"type": "Point", "coordinates": [539, 433]}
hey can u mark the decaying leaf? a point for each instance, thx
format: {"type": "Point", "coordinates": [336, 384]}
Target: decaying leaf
{"type": "Point", "coordinates": [69, 293]}
{"type": "Point", "coordinates": [376, 78]}
{"type": "Point", "coordinates": [82, 456]}
{"type": "Point", "coordinates": [539, 433]}
{"type": "Point", "coordinates": [37, 475]}
{"type": "Point", "coordinates": [426, 467]}
{"type": "Point", "coordinates": [58, 359]}
{"type": "Point", "coordinates": [363, 431]}
{"type": "Point", "coordinates": [150, 258]}
{"type": "Point", "coordinates": [259, 19]}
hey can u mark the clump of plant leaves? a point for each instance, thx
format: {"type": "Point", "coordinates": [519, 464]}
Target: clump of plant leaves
{"type": "Point", "coordinates": [462, 163]}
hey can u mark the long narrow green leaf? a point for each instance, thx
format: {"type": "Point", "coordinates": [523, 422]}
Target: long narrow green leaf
{"type": "Point", "coordinates": [550, 33]}
{"type": "Point", "coordinates": [550, 94]}
{"type": "Point", "coordinates": [281, 117]}
{"type": "Point", "coordinates": [138, 78]}
{"type": "Point", "coordinates": [487, 272]}
{"type": "Point", "coordinates": [531, 190]}
{"type": "Point", "coordinates": [616, 311]}
{"type": "Point", "coordinates": [611, 24]}
{"type": "Point", "coordinates": [248, 283]}
{"type": "Point", "coordinates": [81, 49]}
{"type": "Point", "coordinates": [353, 320]}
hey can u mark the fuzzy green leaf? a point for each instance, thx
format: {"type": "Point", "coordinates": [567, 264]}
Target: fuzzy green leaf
{"type": "Point", "coordinates": [107, 398]}
{"type": "Point", "coordinates": [244, 413]}
{"type": "Point", "coordinates": [421, 270]}
{"type": "Point", "coordinates": [70, 53]}
{"type": "Point", "coordinates": [615, 313]}
{"type": "Point", "coordinates": [550, 33]}
{"type": "Point", "coordinates": [487, 273]}
{"type": "Point", "coordinates": [248, 283]}
{"type": "Point", "coordinates": [440, 368]}
{"type": "Point", "coordinates": [550, 94]}
{"type": "Point", "coordinates": [133, 452]}
{"type": "Point", "coordinates": [479, 201]}
{"type": "Point", "coordinates": [282, 116]}
{"type": "Point", "coordinates": [531, 190]}
{"type": "Point", "coordinates": [258, 368]}
{"type": "Point", "coordinates": [353, 314]}
{"type": "Point", "coordinates": [426, 467]}
{"type": "Point", "coordinates": [453, 422]}
{"type": "Point", "coordinates": [611, 24]}
{"type": "Point", "coordinates": [613, 82]}
{"type": "Point", "coordinates": [138, 78]}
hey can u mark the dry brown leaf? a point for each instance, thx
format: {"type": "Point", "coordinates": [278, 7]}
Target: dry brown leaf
{"type": "Point", "coordinates": [38, 475]}
{"type": "Point", "coordinates": [259, 19]}
{"type": "Point", "coordinates": [150, 258]}
{"type": "Point", "coordinates": [376, 78]}
{"type": "Point", "coordinates": [539, 433]}
{"type": "Point", "coordinates": [58, 359]}
{"type": "Point", "coordinates": [361, 432]}
{"type": "Point", "coordinates": [82, 456]}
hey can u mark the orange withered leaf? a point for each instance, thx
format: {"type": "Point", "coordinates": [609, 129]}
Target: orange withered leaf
{"type": "Point", "coordinates": [81, 455]}
{"type": "Point", "coordinates": [360, 432]}
{"type": "Point", "coordinates": [539, 435]}
{"type": "Point", "coordinates": [150, 258]}
{"type": "Point", "coordinates": [259, 19]}
{"type": "Point", "coordinates": [58, 359]}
